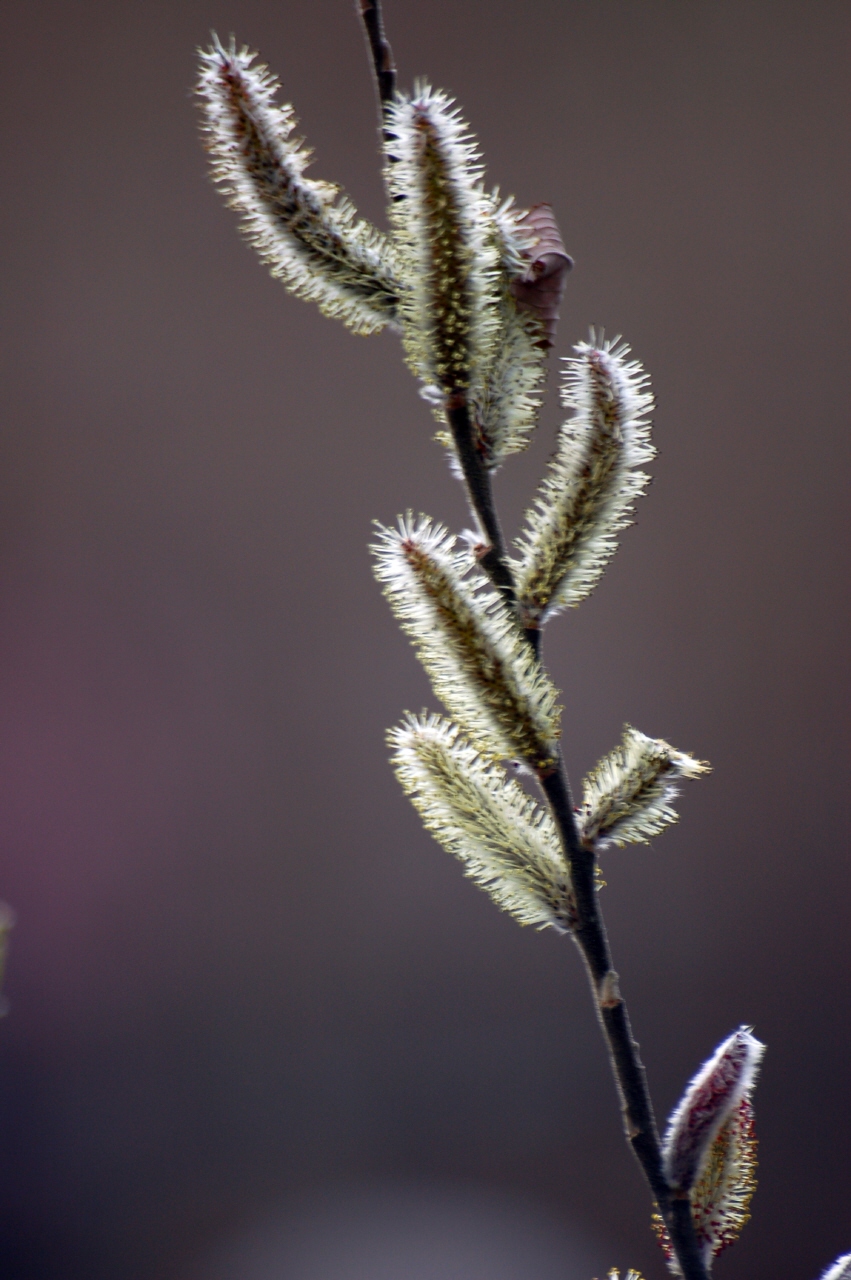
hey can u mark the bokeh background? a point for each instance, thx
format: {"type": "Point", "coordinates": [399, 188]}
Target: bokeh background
{"type": "Point", "coordinates": [261, 1028]}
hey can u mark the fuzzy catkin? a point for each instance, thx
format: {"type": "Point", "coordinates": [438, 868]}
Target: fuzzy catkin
{"type": "Point", "coordinates": [507, 843]}
{"type": "Point", "coordinates": [628, 796]}
{"type": "Point", "coordinates": [587, 495]}
{"type": "Point", "coordinates": [710, 1099]}
{"type": "Point", "coordinates": [505, 406]}
{"type": "Point", "coordinates": [721, 1197]}
{"type": "Point", "coordinates": [308, 235]}
{"type": "Point", "coordinates": [709, 1148]}
{"type": "Point", "coordinates": [480, 666]}
{"type": "Point", "coordinates": [441, 223]}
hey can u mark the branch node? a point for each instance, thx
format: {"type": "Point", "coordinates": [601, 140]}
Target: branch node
{"type": "Point", "coordinates": [608, 993]}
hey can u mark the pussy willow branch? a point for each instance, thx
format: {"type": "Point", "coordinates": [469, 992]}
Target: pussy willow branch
{"type": "Point", "coordinates": [589, 932]}
{"type": "Point", "coordinates": [493, 558]}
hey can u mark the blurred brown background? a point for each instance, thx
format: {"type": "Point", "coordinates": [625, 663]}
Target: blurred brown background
{"type": "Point", "coordinates": [245, 986]}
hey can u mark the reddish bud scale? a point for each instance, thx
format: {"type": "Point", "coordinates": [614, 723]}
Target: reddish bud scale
{"type": "Point", "coordinates": [711, 1098]}
{"type": "Point", "coordinates": [541, 288]}
{"type": "Point", "coordinates": [720, 1199]}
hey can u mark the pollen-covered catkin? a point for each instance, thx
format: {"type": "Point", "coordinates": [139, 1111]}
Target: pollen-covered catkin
{"type": "Point", "coordinates": [480, 666]}
{"type": "Point", "coordinates": [721, 1197]}
{"type": "Point", "coordinates": [505, 404]}
{"type": "Point", "coordinates": [507, 843]}
{"type": "Point", "coordinates": [587, 494]}
{"type": "Point", "coordinates": [308, 234]}
{"type": "Point", "coordinates": [442, 223]}
{"type": "Point", "coordinates": [628, 796]}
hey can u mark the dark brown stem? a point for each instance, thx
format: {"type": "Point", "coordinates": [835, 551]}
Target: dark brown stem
{"type": "Point", "coordinates": [680, 1226]}
{"type": "Point", "coordinates": [480, 494]}
{"type": "Point", "coordinates": [589, 934]}
{"type": "Point", "coordinates": [533, 636]}
{"type": "Point", "coordinates": [380, 51]}
{"type": "Point", "coordinates": [590, 931]}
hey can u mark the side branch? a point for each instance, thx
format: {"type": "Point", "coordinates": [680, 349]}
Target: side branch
{"type": "Point", "coordinates": [590, 936]}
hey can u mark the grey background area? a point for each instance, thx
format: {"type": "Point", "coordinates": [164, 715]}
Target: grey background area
{"type": "Point", "coordinates": [255, 1009]}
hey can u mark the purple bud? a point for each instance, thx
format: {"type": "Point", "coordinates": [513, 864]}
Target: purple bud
{"type": "Point", "coordinates": [710, 1099]}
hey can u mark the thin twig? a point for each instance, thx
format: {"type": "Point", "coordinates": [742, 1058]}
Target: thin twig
{"type": "Point", "coordinates": [590, 936]}
{"type": "Point", "coordinates": [589, 932]}
{"type": "Point", "coordinates": [480, 495]}
{"type": "Point", "coordinates": [379, 48]}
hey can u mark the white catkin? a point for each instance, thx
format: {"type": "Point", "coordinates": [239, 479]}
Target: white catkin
{"type": "Point", "coordinates": [479, 664]}
{"type": "Point", "coordinates": [587, 495]}
{"type": "Point", "coordinates": [305, 231]}
{"type": "Point", "coordinates": [442, 226]}
{"type": "Point", "coordinates": [505, 408]}
{"type": "Point", "coordinates": [628, 796]}
{"type": "Point", "coordinates": [507, 843]}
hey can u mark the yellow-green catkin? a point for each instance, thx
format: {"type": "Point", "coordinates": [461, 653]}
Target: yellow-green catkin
{"type": "Point", "coordinates": [479, 664]}
{"type": "Point", "coordinates": [508, 844]}
{"type": "Point", "coordinates": [628, 796]}
{"type": "Point", "coordinates": [586, 497]}
{"type": "Point", "coordinates": [306, 232]}
{"type": "Point", "coordinates": [442, 222]}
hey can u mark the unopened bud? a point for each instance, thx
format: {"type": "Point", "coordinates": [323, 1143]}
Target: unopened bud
{"type": "Point", "coordinates": [541, 287]}
{"type": "Point", "coordinates": [711, 1098]}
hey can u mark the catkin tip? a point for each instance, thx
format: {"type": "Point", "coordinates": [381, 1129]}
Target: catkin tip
{"type": "Point", "coordinates": [587, 496]}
